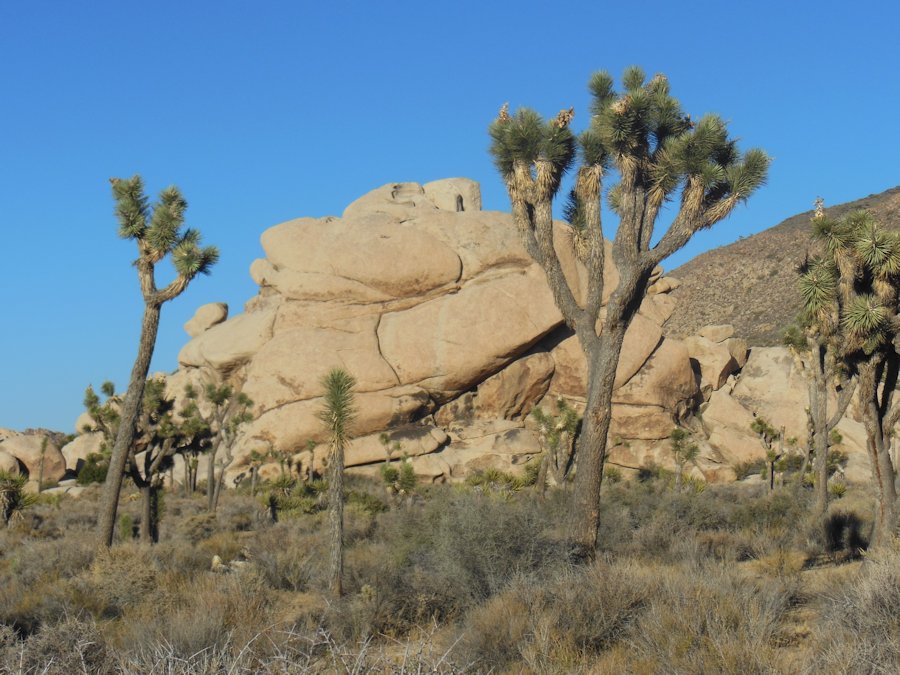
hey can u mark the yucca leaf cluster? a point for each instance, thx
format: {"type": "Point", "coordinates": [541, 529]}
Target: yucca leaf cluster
{"type": "Point", "coordinates": [644, 135]}
{"type": "Point", "coordinates": [158, 229]}
{"type": "Point", "coordinates": [849, 291]}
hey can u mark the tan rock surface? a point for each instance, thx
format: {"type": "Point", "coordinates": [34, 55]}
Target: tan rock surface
{"type": "Point", "coordinates": [667, 379]}
{"type": "Point", "coordinates": [454, 194]}
{"type": "Point", "coordinates": [231, 343]}
{"type": "Point", "coordinates": [8, 463]}
{"type": "Point", "coordinates": [76, 451]}
{"type": "Point", "coordinates": [718, 333]}
{"type": "Point", "coordinates": [27, 449]}
{"type": "Point", "coordinates": [449, 344]}
{"type": "Point", "coordinates": [206, 317]}
{"type": "Point", "coordinates": [513, 392]}
{"type": "Point", "coordinates": [714, 358]}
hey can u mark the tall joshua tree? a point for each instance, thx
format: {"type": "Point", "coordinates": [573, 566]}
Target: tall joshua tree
{"type": "Point", "coordinates": [337, 414]}
{"type": "Point", "coordinates": [158, 233]}
{"type": "Point", "coordinates": [827, 295]}
{"type": "Point", "coordinates": [658, 153]}
{"type": "Point", "coordinates": [852, 291]}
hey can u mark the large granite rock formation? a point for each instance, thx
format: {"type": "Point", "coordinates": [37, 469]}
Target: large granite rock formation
{"type": "Point", "coordinates": [443, 318]}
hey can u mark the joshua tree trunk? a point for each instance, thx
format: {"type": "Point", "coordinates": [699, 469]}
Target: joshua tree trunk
{"type": "Point", "coordinates": [336, 518]}
{"type": "Point", "coordinates": [220, 481]}
{"type": "Point", "coordinates": [150, 512]}
{"type": "Point", "coordinates": [603, 358]}
{"type": "Point", "coordinates": [112, 488]}
{"type": "Point", "coordinates": [877, 424]}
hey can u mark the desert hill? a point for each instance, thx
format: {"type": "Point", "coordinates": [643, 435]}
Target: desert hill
{"type": "Point", "coordinates": [751, 283]}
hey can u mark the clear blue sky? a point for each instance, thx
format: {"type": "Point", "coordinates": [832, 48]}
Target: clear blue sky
{"type": "Point", "coordinates": [262, 112]}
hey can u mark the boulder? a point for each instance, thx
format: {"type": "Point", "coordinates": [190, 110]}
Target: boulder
{"type": "Point", "coordinates": [645, 422]}
{"type": "Point", "coordinates": [771, 386]}
{"type": "Point", "coordinates": [714, 360]}
{"type": "Point", "coordinates": [27, 448]}
{"type": "Point", "coordinates": [513, 392]}
{"type": "Point", "coordinates": [454, 194]}
{"type": "Point", "coordinates": [718, 333]}
{"type": "Point", "coordinates": [449, 344]}
{"type": "Point", "coordinates": [8, 463]}
{"type": "Point", "coordinates": [206, 317]}
{"type": "Point", "coordinates": [229, 344]}
{"type": "Point", "coordinates": [666, 380]}
{"type": "Point", "coordinates": [76, 451]}
{"type": "Point", "coordinates": [739, 350]}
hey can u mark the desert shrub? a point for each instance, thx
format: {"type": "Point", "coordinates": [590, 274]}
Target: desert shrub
{"type": "Point", "coordinates": [366, 502]}
{"type": "Point", "coordinates": [73, 645]}
{"type": "Point", "coordinates": [290, 556]}
{"type": "Point", "coordinates": [119, 578]}
{"type": "Point", "coordinates": [708, 619]}
{"type": "Point", "coordinates": [199, 527]}
{"type": "Point", "coordinates": [193, 614]}
{"type": "Point", "coordinates": [226, 545]}
{"type": "Point", "coordinates": [93, 470]}
{"type": "Point", "coordinates": [859, 631]}
{"type": "Point", "coordinates": [545, 625]}
{"type": "Point", "coordinates": [436, 561]}
{"type": "Point", "coordinates": [756, 467]}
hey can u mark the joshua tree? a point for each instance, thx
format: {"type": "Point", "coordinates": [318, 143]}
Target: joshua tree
{"type": "Point", "coordinates": [851, 293]}
{"type": "Point", "coordinates": [557, 434]}
{"type": "Point", "coordinates": [228, 410]}
{"type": "Point", "coordinates": [827, 295]}
{"type": "Point", "coordinates": [658, 152]}
{"type": "Point", "coordinates": [337, 414]}
{"type": "Point", "coordinates": [158, 234]}
{"type": "Point", "coordinates": [684, 452]}
{"type": "Point", "coordinates": [768, 435]}
{"type": "Point", "coordinates": [158, 438]}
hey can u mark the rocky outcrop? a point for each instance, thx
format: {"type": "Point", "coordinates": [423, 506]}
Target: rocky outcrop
{"type": "Point", "coordinates": [453, 336]}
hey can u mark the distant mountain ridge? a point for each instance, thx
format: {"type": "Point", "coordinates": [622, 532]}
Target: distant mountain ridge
{"type": "Point", "coordinates": [752, 283]}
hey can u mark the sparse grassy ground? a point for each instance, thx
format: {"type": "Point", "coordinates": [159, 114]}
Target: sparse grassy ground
{"type": "Point", "coordinates": [732, 580]}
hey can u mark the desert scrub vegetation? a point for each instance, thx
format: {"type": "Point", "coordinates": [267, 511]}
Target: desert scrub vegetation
{"type": "Point", "coordinates": [473, 577]}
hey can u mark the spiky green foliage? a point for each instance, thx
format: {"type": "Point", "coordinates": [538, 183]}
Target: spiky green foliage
{"type": "Point", "coordinates": [338, 411]}
{"type": "Point", "coordinates": [13, 498]}
{"type": "Point", "coordinates": [158, 228]}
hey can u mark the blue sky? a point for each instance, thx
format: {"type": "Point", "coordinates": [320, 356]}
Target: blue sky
{"type": "Point", "coordinates": [263, 112]}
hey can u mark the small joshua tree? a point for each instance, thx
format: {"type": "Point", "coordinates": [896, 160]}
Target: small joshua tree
{"type": "Point", "coordinates": [337, 414]}
{"type": "Point", "coordinates": [158, 233]}
{"type": "Point", "coordinates": [557, 434]}
{"type": "Point", "coordinates": [684, 452]}
{"type": "Point", "coordinates": [768, 436]}
{"type": "Point", "coordinates": [659, 154]}
{"type": "Point", "coordinates": [13, 498]}
{"type": "Point", "coordinates": [227, 410]}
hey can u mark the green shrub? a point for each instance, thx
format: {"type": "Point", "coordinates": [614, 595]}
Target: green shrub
{"type": "Point", "coordinates": [93, 470]}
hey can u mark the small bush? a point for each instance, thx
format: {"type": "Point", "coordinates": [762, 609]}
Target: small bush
{"type": "Point", "coordinates": [93, 470]}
